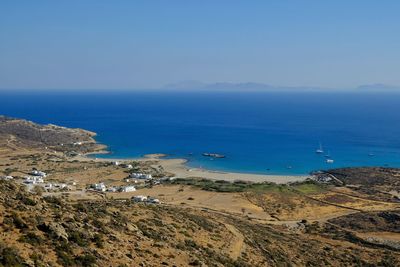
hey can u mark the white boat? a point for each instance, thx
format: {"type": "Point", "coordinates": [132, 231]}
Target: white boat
{"type": "Point", "coordinates": [330, 161]}
{"type": "Point", "coordinates": [319, 150]}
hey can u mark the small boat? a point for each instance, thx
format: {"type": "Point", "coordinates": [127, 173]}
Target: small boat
{"type": "Point", "coordinates": [289, 167]}
{"type": "Point", "coordinates": [328, 155]}
{"type": "Point", "coordinates": [371, 154]}
{"type": "Point", "coordinates": [330, 161]}
{"type": "Point", "coordinates": [319, 150]}
{"type": "Point", "coordinates": [213, 155]}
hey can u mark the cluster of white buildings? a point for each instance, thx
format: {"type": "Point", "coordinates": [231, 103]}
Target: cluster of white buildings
{"type": "Point", "coordinates": [125, 189]}
{"type": "Point", "coordinates": [55, 186]}
{"type": "Point", "coordinates": [145, 199]}
{"type": "Point", "coordinates": [138, 175]}
{"type": "Point", "coordinates": [103, 188]}
{"type": "Point", "coordinates": [39, 181]}
{"type": "Point", "coordinates": [34, 180]}
{"type": "Point", "coordinates": [35, 177]}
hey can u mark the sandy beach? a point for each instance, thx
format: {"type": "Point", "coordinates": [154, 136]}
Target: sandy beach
{"type": "Point", "coordinates": [179, 169]}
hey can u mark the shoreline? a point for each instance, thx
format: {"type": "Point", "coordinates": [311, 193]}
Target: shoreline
{"type": "Point", "coordinates": [179, 169]}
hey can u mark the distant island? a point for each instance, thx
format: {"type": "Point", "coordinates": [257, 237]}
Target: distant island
{"type": "Point", "coordinates": [253, 86]}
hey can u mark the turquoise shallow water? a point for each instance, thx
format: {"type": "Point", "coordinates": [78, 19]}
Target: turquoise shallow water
{"type": "Point", "coordinates": [271, 133]}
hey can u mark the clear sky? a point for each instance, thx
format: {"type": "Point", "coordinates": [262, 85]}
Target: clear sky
{"type": "Point", "coordinates": [149, 43]}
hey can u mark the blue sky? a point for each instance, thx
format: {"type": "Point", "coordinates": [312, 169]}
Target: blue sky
{"type": "Point", "coordinates": [149, 43]}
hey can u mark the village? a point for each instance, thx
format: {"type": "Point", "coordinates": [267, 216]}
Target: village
{"type": "Point", "coordinates": [39, 180]}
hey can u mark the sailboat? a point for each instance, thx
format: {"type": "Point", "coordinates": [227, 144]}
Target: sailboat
{"type": "Point", "coordinates": [319, 150]}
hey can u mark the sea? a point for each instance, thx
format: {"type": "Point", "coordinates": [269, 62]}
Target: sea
{"type": "Point", "coordinates": [258, 132]}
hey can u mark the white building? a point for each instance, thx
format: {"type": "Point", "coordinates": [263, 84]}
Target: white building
{"type": "Point", "coordinates": [153, 200]}
{"type": "Point", "coordinates": [112, 189]}
{"type": "Point", "coordinates": [38, 173]}
{"type": "Point", "coordinates": [61, 186]}
{"type": "Point", "coordinates": [100, 187]}
{"type": "Point", "coordinates": [129, 188]}
{"type": "Point", "coordinates": [7, 177]}
{"type": "Point", "coordinates": [131, 180]}
{"type": "Point", "coordinates": [139, 198]}
{"type": "Point", "coordinates": [48, 186]}
{"type": "Point", "coordinates": [138, 175]}
{"type": "Point", "coordinates": [33, 179]}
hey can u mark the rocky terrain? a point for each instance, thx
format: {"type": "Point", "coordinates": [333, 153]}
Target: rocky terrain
{"type": "Point", "coordinates": [377, 183]}
{"type": "Point", "coordinates": [47, 231]}
{"type": "Point", "coordinates": [23, 133]}
{"type": "Point", "coordinates": [387, 221]}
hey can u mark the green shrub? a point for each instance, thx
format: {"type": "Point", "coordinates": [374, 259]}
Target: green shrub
{"type": "Point", "coordinates": [85, 260]}
{"type": "Point", "coordinates": [53, 200]}
{"type": "Point", "coordinates": [18, 222]}
{"type": "Point", "coordinates": [98, 240]}
{"type": "Point", "coordinates": [78, 238]}
{"type": "Point", "coordinates": [9, 257]}
{"type": "Point", "coordinates": [31, 238]}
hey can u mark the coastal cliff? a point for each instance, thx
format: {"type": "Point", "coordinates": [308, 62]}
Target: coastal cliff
{"type": "Point", "coordinates": [24, 133]}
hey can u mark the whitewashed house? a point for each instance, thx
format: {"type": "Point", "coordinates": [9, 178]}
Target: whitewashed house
{"type": "Point", "coordinates": [153, 200]}
{"type": "Point", "coordinates": [7, 177]}
{"type": "Point", "coordinates": [138, 175]}
{"type": "Point", "coordinates": [48, 187]}
{"type": "Point", "coordinates": [129, 188]}
{"type": "Point", "coordinates": [38, 173]}
{"type": "Point", "coordinates": [33, 179]}
{"type": "Point", "coordinates": [139, 198]}
{"type": "Point", "coordinates": [112, 189]}
{"type": "Point", "coordinates": [100, 187]}
{"type": "Point", "coordinates": [61, 186]}
{"type": "Point", "coordinates": [131, 180]}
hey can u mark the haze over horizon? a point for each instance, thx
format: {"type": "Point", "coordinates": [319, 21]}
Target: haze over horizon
{"type": "Point", "coordinates": [150, 44]}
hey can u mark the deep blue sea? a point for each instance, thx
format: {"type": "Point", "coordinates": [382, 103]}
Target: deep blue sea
{"type": "Point", "coordinates": [268, 132]}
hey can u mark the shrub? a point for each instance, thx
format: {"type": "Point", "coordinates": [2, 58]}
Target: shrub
{"type": "Point", "coordinates": [81, 207]}
{"type": "Point", "coordinates": [38, 190]}
{"type": "Point", "coordinates": [25, 200]}
{"type": "Point", "coordinates": [85, 260]}
{"type": "Point", "coordinates": [53, 200]}
{"type": "Point", "coordinates": [10, 257]}
{"type": "Point", "coordinates": [98, 240]}
{"type": "Point", "coordinates": [31, 238]}
{"type": "Point", "coordinates": [64, 254]}
{"type": "Point", "coordinates": [78, 238]}
{"type": "Point", "coordinates": [18, 222]}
